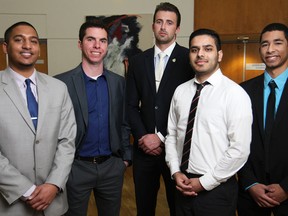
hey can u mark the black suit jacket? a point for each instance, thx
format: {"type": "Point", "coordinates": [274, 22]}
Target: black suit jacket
{"type": "Point", "coordinates": [147, 108]}
{"type": "Point", "coordinates": [274, 155]}
{"type": "Point", "coordinates": [118, 124]}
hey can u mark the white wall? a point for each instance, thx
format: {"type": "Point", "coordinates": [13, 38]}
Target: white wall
{"type": "Point", "coordinates": [59, 21]}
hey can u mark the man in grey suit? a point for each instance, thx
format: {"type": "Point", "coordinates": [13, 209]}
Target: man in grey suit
{"type": "Point", "coordinates": [35, 160]}
{"type": "Point", "coordinates": [102, 143]}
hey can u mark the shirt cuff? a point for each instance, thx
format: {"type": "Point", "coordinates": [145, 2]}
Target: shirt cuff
{"type": "Point", "coordinates": [161, 137]}
{"type": "Point", "coordinates": [28, 192]}
{"type": "Point", "coordinates": [251, 186]}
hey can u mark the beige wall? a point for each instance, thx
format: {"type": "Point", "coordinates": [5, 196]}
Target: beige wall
{"type": "Point", "coordinates": [59, 22]}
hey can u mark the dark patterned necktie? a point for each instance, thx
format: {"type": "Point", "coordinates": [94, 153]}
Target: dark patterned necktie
{"type": "Point", "coordinates": [189, 130]}
{"type": "Point", "coordinates": [31, 103]}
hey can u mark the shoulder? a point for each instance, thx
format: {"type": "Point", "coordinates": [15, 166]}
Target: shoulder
{"type": "Point", "coordinates": [113, 75]}
{"type": "Point", "coordinates": [252, 83]}
{"type": "Point", "coordinates": [67, 74]}
{"type": "Point", "coordinates": [50, 81]}
{"type": "Point", "coordinates": [140, 56]}
{"type": "Point", "coordinates": [181, 50]}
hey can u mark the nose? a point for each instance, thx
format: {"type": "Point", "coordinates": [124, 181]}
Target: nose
{"type": "Point", "coordinates": [97, 44]}
{"type": "Point", "coordinates": [163, 26]}
{"type": "Point", "coordinates": [200, 53]}
{"type": "Point", "coordinates": [26, 44]}
{"type": "Point", "coordinates": [270, 48]}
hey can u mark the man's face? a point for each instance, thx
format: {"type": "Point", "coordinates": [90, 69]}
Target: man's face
{"type": "Point", "coordinates": [274, 51]}
{"type": "Point", "coordinates": [165, 27]}
{"type": "Point", "coordinates": [94, 45]}
{"type": "Point", "coordinates": [204, 57]}
{"type": "Point", "coordinates": [22, 48]}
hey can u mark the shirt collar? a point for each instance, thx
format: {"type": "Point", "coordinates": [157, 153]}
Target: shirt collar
{"type": "Point", "coordinates": [214, 78]}
{"type": "Point", "coordinates": [20, 80]}
{"type": "Point", "coordinates": [279, 80]}
{"type": "Point", "coordinates": [88, 78]}
{"type": "Point", "coordinates": [167, 51]}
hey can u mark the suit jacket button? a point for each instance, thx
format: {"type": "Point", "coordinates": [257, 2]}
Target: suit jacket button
{"type": "Point", "coordinates": [156, 107]}
{"type": "Point", "coordinates": [37, 142]}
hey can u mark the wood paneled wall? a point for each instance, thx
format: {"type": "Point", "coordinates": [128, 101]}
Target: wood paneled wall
{"type": "Point", "coordinates": [238, 16]}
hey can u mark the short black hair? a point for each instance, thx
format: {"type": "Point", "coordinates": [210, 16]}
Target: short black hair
{"type": "Point", "coordinates": [275, 27]}
{"type": "Point", "coordinates": [92, 23]}
{"type": "Point", "coordinates": [166, 6]}
{"type": "Point", "coordinates": [7, 33]}
{"type": "Point", "coordinates": [208, 32]}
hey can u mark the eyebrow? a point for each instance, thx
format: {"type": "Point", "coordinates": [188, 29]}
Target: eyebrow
{"type": "Point", "coordinates": [275, 40]}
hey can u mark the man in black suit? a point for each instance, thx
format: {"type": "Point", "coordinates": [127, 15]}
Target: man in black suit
{"type": "Point", "coordinates": [264, 178]}
{"type": "Point", "coordinates": [149, 97]}
{"type": "Point", "coordinates": [102, 141]}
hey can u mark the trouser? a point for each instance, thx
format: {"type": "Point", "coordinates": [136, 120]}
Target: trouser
{"type": "Point", "coordinates": [221, 201]}
{"type": "Point", "coordinates": [106, 181]}
{"type": "Point", "coordinates": [147, 171]}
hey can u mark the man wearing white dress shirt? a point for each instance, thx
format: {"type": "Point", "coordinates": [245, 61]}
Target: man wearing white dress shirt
{"type": "Point", "coordinates": [220, 137]}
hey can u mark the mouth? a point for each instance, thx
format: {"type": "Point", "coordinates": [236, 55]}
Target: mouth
{"type": "Point", "coordinates": [271, 58]}
{"type": "Point", "coordinates": [162, 33]}
{"type": "Point", "coordinates": [200, 62]}
{"type": "Point", "coordinates": [96, 53]}
{"type": "Point", "coordinates": [26, 54]}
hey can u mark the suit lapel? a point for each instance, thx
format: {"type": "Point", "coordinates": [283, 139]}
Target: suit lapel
{"type": "Point", "coordinates": [43, 102]}
{"type": "Point", "coordinates": [170, 66]}
{"type": "Point", "coordinates": [79, 86]}
{"type": "Point", "coordinates": [259, 103]}
{"type": "Point", "coordinates": [150, 68]}
{"type": "Point", "coordinates": [14, 94]}
{"type": "Point", "coordinates": [283, 105]}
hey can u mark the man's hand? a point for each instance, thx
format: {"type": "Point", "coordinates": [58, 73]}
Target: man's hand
{"type": "Point", "coordinates": [276, 192]}
{"type": "Point", "coordinates": [260, 192]}
{"type": "Point", "coordinates": [183, 184]}
{"type": "Point", "coordinates": [150, 144]}
{"type": "Point", "coordinates": [42, 196]}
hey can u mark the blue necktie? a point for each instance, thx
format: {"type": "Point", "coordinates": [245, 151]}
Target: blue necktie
{"type": "Point", "coordinates": [32, 103]}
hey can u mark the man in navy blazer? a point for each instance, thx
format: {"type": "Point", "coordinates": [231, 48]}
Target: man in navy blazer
{"type": "Point", "coordinates": [148, 107]}
{"type": "Point", "coordinates": [264, 178]}
{"type": "Point", "coordinates": [102, 142]}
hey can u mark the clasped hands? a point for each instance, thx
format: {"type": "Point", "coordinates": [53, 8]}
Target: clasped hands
{"type": "Point", "coordinates": [187, 186]}
{"type": "Point", "coordinates": [268, 196]}
{"type": "Point", "coordinates": [42, 196]}
{"type": "Point", "coordinates": [151, 144]}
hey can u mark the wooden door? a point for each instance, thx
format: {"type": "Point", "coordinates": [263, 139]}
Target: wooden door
{"type": "Point", "coordinates": [236, 59]}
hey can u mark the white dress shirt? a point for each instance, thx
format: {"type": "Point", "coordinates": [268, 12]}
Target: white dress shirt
{"type": "Point", "coordinates": [222, 130]}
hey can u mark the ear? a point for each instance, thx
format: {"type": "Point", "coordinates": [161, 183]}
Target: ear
{"type": "Point", "coordinates": [177, 30]}
{"type": "Point", "coordinates": [220, 55]}
{"type": "Point", "coordinates": [4, 47]}
{"type": "Point", "coordinates": [80, 44]}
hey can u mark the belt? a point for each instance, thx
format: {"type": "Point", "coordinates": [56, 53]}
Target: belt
{"type": "Point", "coordinates": [96, 160]}
{"type": "Point", "coordinates": [192, 175]}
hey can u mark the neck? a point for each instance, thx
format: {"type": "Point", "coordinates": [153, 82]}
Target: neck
{"type": "Point", "coordinates": [162, 46]}
{"type": "Point", "coordinates": [275, 72]}
{"type": "Point", "coordinates": [93, 70]}
{"type": "Point", "coordinates": [25, 72]}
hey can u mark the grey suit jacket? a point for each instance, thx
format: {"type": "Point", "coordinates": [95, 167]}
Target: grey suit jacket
{"type": "Point", "coordinates": [119, 130]}
{"type": "Point", "coordinates": [30, 157]}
